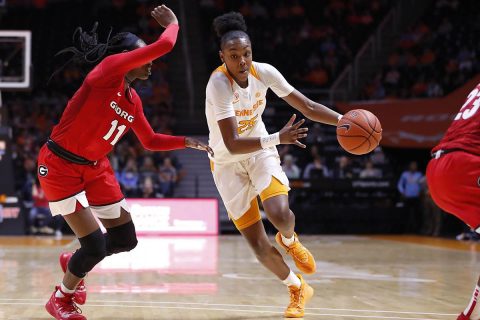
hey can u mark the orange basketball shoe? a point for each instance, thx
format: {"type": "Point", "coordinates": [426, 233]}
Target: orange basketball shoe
{"type": "Point", "coordinates": [80, 294]}
{"type": "Point", "coordinates": [63, 308]}
{"type": "Point", "coordinates": [303, 258]}
{"type": "Point", "coordinates": [298, 298]}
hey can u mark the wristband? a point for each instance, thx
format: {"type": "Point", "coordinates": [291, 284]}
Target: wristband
{"type": "Point", "coordinates": [270, 140]}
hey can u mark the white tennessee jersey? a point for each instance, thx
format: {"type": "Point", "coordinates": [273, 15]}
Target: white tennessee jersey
{"type": "Point", "coordinates": [225, 99]}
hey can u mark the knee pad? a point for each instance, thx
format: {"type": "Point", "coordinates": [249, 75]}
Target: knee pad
{"type": "Point", "coordinates": [93, 249]}
{"type": "Point", "coordinates": [121, 238]}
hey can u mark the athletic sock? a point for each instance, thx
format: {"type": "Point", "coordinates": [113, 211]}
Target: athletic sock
{"type": "Point", "coordinates": [60, 292]}
{"type": "Point", "coordinates": [292, 280]}
{"type": "Point", "coordinates": [288, 241]}
{"type": "Point", "coordinates": [471, 311]}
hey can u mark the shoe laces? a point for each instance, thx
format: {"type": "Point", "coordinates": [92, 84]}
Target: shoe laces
{"type": "Point", "coordinates": [68, 305]}
{"type": "Point", "coordinates": [295, 296]}
{"type": "Point", "coordinates": [299, 251]}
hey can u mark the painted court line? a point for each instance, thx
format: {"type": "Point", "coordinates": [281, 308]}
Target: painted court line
{"type": "Point", "coordinates": [158, 304]}
{"type": "Point", "coordinates": [233, 310]}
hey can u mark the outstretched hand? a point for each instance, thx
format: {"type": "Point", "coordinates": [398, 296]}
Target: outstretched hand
{"type": "Point", "coordinates": [197, 144]}
{"type": "Point", "coordinates": [291, 132]}
{"type": "Point", "coordinates": [164, 16]}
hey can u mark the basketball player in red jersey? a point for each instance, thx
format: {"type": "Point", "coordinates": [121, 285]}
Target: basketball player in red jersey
{"type": "Point", "coordinates": [72, 166]}
{"type": "Point", "coordinates": [453, 176]}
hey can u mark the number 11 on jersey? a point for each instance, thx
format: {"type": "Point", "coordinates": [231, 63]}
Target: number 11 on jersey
{"type": "Point", "coordinates": [112, 130]}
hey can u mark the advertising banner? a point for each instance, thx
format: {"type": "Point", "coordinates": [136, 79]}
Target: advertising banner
{"type": "Point", "coordinates": [415, 123]}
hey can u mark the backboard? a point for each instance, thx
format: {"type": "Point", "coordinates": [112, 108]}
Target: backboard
{"type": "Point", "coordinates": [15, 59]}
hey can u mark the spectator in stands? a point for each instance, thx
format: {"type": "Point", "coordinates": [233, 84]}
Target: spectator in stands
{"type": "Point", "coordinates": [40, 218]}
{"type": "Point", "coordinates": [167, 175]}
{"type": "Point", "coordinates": [344, 169]}
{"type": "Point", "coordinates": [370, 172]}
{"type": "Point", "coordinates": [148, 188]}
{"type": "Point", "coordinates": [129, 178]}
{"type": "Point", "coordinates": [290, 168]}
{"type": "Point", "coordinates": [148, 170]}
{"type": "Point", "coordinates": [315, 169]}
{"type": "Point", "coordinates": [410, 186]}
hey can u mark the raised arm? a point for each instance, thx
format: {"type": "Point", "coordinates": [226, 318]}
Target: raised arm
{"type": "Point", "coordinates": [123, 62]}
{"type": "Point", "coordinates": [119, 64]}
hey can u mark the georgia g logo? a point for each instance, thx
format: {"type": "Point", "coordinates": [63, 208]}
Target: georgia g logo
{"type": "Point", "coordinates": [42, 170]}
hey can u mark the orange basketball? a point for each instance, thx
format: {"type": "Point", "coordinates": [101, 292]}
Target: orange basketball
{"type": "Point", "coordinates": [359, 131]}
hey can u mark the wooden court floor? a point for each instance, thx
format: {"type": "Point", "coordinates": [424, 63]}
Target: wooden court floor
{"type": "Point", "coordinates": [359, 277]}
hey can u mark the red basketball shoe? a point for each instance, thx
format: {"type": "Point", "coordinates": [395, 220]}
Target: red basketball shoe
{"type": "Point", "coordinates": [80, 294]}
{"type": "Point", "coordinates": [63, 308]}
{"type": "Point", "coordinates": [463, 317]}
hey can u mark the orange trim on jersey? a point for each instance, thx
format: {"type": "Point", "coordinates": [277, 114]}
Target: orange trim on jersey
{"type": "Point", "coordinates": [253, 71]}
{"type": "Point", "coordinates": [250, 217]}
{"type": "Point", "coordinates": [223, 69]}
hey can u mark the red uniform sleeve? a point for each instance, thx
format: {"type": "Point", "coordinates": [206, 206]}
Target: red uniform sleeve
{"type": "Point", "coordinates": [154, 141]}
{"type": "Point", "coordinates": [116, 66]}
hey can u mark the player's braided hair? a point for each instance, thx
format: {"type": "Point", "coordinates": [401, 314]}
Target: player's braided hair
{"type": "Point", "coordinates": [87, 50]}
{"type": "Point", "coordinates": [230, 26]}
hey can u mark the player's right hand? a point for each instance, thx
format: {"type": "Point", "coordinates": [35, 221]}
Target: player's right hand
{"type": "Point", "coordinates": [164, 16]}
{"type": "Point", "coordinates": [291, 132]}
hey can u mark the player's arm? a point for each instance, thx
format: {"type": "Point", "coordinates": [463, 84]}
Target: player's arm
{"type": "Point", "coordinates": [163, 142]}
{"type": "Point", "coordinates": [123, 62]}
{"type": "Point", "coordinates": [312, 110]}
{"type": "Point", "coordinates": [289, 134]}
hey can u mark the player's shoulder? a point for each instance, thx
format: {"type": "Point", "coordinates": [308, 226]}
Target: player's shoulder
{"type": "Point", "coordinates": [220, 78]}
{"type": "Point", "coordinates": [264, 71]}
{"type": "Point", "coordinates": [261, 67]}
{"type": "Point", "coordinates": [221, 74]}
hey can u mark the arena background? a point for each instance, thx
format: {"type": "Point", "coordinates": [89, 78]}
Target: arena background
{"type": "Point", "coordinates": [381, 253]}
{"type": "Point", "coordinates": [410, 62]}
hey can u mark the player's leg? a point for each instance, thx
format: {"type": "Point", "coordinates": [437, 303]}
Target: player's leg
{"type": "Point", "coordinates": [275, 203]}
{"type": "Point", "coordinates": [108, 204]}
{"type": "Point", "coordinates": [459, 199]}
{"type": "Point", "coordinates": [121, 235]}
{"type": "Point", "coordinates": [268, 177]}
{"type": "Point", "coordinates": [251, 227]}
{"type": "Point", "coordinates": [76, 266]}
{"type": "Point", "coordinates": [92, 246]}
{"type": "Point", "coordinates": [63, 181]}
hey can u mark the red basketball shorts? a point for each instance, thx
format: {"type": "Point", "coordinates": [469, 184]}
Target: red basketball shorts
{"type": "Point", "coordinates": [67, 184]}
{"type": "Point", "coordinates": [454, 183]}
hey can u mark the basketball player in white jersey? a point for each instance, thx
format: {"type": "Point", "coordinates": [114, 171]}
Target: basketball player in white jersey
{"type": "Point", "coordinates": [246, 162]}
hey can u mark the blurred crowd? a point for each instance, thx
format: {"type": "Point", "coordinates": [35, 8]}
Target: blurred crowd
{"type": "Point", "coordinates": [437, 55]}
{"type": "Point", "coordinates": [310, 41]}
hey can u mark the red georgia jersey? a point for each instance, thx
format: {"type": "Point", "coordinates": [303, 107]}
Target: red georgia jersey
{"type": "Point", "coordinates": [464, 132]}
{"type": "Point", "coordinates": [99, 114]}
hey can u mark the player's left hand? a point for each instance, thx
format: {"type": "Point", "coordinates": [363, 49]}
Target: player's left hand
{"type": "Point", "coordinates": [197, 144]}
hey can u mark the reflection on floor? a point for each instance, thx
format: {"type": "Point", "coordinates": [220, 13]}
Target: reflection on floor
{"type": "Point", "coordinates": [165, 255]}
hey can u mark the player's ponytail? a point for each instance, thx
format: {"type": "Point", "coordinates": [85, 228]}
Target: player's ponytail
{"type": "Point", "coordinates": [87, 50]}
{"type": "Point", "coordinates": [229, 26]}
